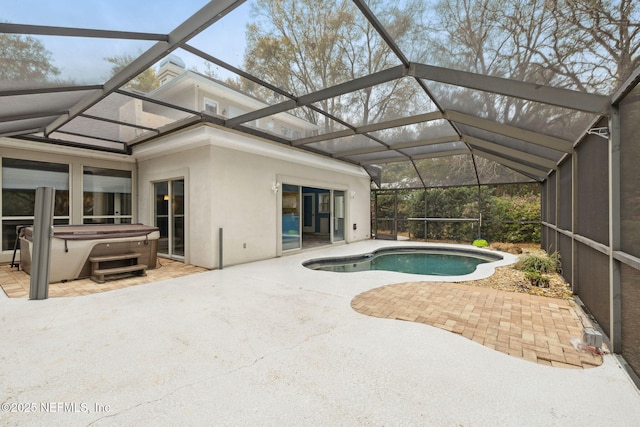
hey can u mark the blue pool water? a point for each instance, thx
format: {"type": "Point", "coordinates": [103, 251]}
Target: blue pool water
{"type": "Point", "coordinates": [429, 261]}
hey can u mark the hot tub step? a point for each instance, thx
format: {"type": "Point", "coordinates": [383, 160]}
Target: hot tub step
{"type": "Point", "coordinates": [99, 275]}
{"type": "Point", "coordinates": [98, 259]}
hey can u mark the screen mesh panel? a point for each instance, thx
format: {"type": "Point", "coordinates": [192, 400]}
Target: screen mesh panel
{"type": "Point", "coordinates": [630, 289]}
{"type": "Point", "coordinates": [552, 201]}
{"type": "Point", "coordinates": [630, 173]}
{"type": "Point", "coordinates": [566, 256]}
{"type": "Point", "coordinates": [564, 196]}
{"type": "Point", "coordinates": [593, 283]}
{"type": "Point", "coordinates": [593, 189]}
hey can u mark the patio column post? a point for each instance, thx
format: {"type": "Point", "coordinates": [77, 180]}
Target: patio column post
{"type": "Point", "coordinates": [615, 297]}
{"type": "Point", "coordinates": [42, 232]}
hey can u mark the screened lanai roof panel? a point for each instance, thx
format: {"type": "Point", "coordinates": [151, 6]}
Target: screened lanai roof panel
{"type": "Point", "coordinates": [164, 16]}
{"type": "Point", "coordinates": [340, 146]}
{"type": "Point", "coordinates": [80, 60]}
{"type": "Point", "coordinates": [523, 40]}
{"type": "Point", "coordinates": [435, 149]}
{"type": "Point", "coordinates": [534, 116]}
{"type": "Point", "coordinates": [19, 126]}
{"type": "Point", "coordinates": [501, 141]}
{"type": "Point", "coordinates": [491, 172]}
{"type": "Point", "coordinates": [395, 99]}
{"type": "Point", "coordinates": [524, 162]}
{"type": "Point", "coordinates": [454, 170]}
{"type": "Point", "coordinates": [87, 142]}
{"type": "Point", "coordinates": [298, 46]}
{"type": "Point", "coordinates": [184, 76]}
{"type": "Point", "coordinates": [417, 132]}
{"type": "Point", "coordinates": [40, 103]}
{"type": "Point", "coordinates": [96, 129]}
{"type": "Point", "coordinates": [377, 157]}
{"type": "Point", "coordinates": [399, 175]}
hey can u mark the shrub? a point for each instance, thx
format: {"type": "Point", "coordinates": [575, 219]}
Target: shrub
{"type": "Point", "coordinates": [512, 219]}
{"type": "Point", "coordinates": [537, 279]}
{"type": "Point", "coordinates": [539, 264]}
{"type": "Point", "coordinates": [480, 243]}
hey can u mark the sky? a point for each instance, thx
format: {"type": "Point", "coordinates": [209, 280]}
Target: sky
{"type": "Point", "coordinates": [82, 60]}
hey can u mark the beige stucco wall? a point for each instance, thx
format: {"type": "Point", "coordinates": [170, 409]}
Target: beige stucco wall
{"type": "Point", "coordinates": [229, 181]}
{"type": "Point", "coordinates": [194, 166]}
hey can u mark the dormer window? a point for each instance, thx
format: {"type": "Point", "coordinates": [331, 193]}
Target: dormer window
{"type": "Point", "coordinates": [210, 106]}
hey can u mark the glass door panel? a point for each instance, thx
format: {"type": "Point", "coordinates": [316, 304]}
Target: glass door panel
{"type": "Point", "coordinates": [291, 231]}
{"type": "Point", "coordinates": [338, 216]}
{"type": "Point", "coordinates": [177, 199]}
{"type": "Point", "coordinates": [161, 191]}
{"type": "Point", "coordinates": [309, 213]}
{"type": "Point", "coordinates": [170, 217]}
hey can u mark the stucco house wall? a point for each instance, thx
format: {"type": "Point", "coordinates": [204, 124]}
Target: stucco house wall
{"type": "Point", "coordinates": [229, 184]}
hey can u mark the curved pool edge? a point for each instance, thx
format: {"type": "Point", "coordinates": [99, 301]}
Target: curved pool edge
{"type": "Point", "coordinates": [482, 270]}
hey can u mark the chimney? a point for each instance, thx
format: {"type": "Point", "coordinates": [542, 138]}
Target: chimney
{"type": "Point", "coordinates": [170, 67]}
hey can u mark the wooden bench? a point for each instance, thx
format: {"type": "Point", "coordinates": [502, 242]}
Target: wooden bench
{"type": "Point", "coordinates": [99, 272]}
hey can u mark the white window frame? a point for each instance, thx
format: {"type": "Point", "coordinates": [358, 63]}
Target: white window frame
{"type": "Point", "coordinates": [209, 101]}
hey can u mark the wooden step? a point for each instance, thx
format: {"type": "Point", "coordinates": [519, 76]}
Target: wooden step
{"type": "Point", "coordinates": [98, 275]}
{"type": "Point", "coordinates": [106, 258]}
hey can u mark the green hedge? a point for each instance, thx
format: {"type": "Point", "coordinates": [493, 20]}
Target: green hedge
{"type": "Point", "coordinates": [505, 217]}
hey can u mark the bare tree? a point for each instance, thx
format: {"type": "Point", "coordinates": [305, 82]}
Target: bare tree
{"type": "Point", "coordinates": [304, 46]}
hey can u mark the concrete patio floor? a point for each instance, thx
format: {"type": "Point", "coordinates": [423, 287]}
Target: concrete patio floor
{"type": "Point", "coordinates": [273, 343]}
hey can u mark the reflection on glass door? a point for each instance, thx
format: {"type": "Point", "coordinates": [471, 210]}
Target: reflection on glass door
{"type": "Point", "coordinates": [291, 232]}
{"type": "Point", "coordinates": [169, 217]}
{"type": "Point", "coordinates": [338, 215]}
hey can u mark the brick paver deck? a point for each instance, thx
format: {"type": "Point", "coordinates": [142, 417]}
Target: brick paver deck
{"type": "Point", "coordinates": [530, 327]}
{"type": "Point", "coordinates": [16, 283]}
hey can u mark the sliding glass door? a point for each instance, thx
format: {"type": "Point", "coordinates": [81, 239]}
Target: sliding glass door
{"type": "Point", "coordinates": [169, 217]}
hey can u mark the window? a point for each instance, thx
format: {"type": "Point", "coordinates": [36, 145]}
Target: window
{"type": "Point", "coordinates": [210, 106]}
{"type": "Point", "coordinates": [271, 126]}
{"type": "Point", "coordinates": [106, 196]}
{"type": "Point", "coordinates": [288, 132]}
{"type": "Point", "coordinates": [20, 178]}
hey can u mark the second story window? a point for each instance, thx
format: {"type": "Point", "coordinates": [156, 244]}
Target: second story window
{"type": "Point", "coordinates": [288, 132]}
{"type": "Point", "coordinates": [210, 106]}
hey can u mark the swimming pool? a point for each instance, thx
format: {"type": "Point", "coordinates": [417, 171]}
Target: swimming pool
{"type": "Point", "coordinates": [412, 260]}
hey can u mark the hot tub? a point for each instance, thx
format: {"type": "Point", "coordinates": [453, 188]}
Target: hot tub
{"type": "Point", "coordinates": [73, 245]}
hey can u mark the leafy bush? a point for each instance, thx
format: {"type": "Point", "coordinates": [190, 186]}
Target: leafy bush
{"type": "Point", "coordinates": [480, 243]}
{"type": "Point", "coordinates": [505, 217]}
{"type": "Point", "coordinates": [539, 264]}
{"type": "Point", "coordinates": [512, 219]}
{"type": "Point", "coordinates": [538, 279]}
